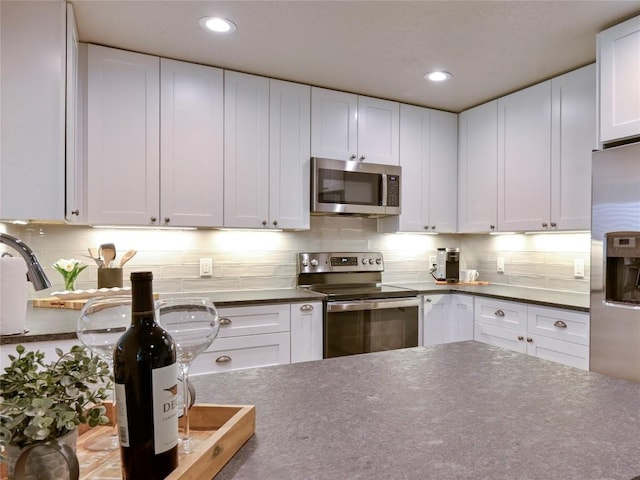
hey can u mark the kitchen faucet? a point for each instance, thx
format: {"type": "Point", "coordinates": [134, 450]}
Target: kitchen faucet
{"type": "Point", "coordinates": [35, 274]}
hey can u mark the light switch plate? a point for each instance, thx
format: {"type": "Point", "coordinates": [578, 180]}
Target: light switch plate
{"type": "Point", "coordinates": [578, 268]}
{"type": "Point", "coordinates": [206, 267]}
{"type": "Point", "coordinates": [500, 265]}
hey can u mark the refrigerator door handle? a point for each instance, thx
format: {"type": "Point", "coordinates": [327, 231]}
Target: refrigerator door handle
{"type": "Point", "coordinates": [628, 306]}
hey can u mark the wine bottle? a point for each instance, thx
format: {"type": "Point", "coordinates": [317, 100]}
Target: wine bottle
{"type": "Point", "coordinates": [146, 373]}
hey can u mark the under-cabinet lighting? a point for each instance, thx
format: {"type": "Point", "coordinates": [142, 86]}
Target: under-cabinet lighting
{"type": "Point", "coordinates": [548, 232]}
{"type": "Point", "coordinates": [504, 233]}
{"type": "Point", "coordinates": [218, 24]}
{"type": "Point", "coordinates": [140, 227]}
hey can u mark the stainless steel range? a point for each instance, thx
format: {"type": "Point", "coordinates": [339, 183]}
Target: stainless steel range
{"type": "Point", "coordinates": [362, 315]}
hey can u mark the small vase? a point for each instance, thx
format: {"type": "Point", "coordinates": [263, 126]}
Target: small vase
{"type": "Point", "coordinates": [51, 460]}
{"type": "Point", "coordinates": [70, 284]}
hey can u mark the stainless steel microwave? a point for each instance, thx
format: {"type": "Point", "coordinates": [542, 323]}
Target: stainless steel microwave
{"type": "Point", "coordinates": [354, 188]}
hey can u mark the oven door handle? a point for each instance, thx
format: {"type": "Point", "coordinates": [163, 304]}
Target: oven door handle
{"type": "Point", "coordinates": [377, 304]}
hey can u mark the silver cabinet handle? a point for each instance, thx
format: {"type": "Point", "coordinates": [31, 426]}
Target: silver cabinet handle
{"type": "Point", "coordinates": [426, 227]}
{"type": "Point", "coordinates": [306, 308]}
{"type": "Point", "coordinates": [428, 300]}
{"type": "Point", "coordinates": [492, 227]}
{"type": "Point", "coordinates": [275, 223]}
{"type": "Point", "coordinates": [520, 338]}
{"type": "Point", "coordinates": [264, 223]}
{"type": "Point", "coordinates": [225, 321]}
{"type": "Point", "coordinates": [529, 340]}
{"type": "Point", "coordinates": [560, 324]}
{"type": "Point", "coordinates": [554, 224]}
{"type": "Point", "coordinates": [362, 157]}
{"type": "Point", "coordinates": [433, 227]}
{"type": "Point", "coordinates": [153, 219]}
{"type": "Point", "coordinates": [167, 219]}
{"type": "Point", "coordinates": [544, 225]}
{"type": "Point", "coordinates": [223, 359]}
{"type": "Point", "coordinates": [352, 157]}
{"type": "Point", "coordinates": [499, 313]}
{"type": "Point", "coordinates": [75, 212]}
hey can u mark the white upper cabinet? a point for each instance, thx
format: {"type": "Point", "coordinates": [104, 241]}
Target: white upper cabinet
{"type": "Point", "coordinates": [345, 126]}
{"type": "Point", "coordinates": [524, 159]}
{"type": "Point", "coordinates": [75, 207]}
{"type": "Point", "coordinates": [246, 150]}
{"type": "Point", "coordinates": [428, 157]}
{"type": "Point", "coordinates": [478, 169]}
{"type": "Point", "coordinates": [573, 138]}
{"type": "Point", "coordinates": [191, 153]}
{"type": "Point", "coordinates": [618, 60]}
{"type": "Point", "coordinates": [289, 154]}
{"type": "Point", "coordinates": [123, 137]}
{"type": "Point", "coordinates": [32, 94]}
{"type": "Point", "coordinates": [267, 158]}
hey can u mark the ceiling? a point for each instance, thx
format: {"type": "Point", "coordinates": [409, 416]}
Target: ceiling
{"type": "Point", "coordinates": [376, 48]}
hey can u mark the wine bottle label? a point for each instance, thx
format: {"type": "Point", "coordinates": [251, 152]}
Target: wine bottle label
{"type": "Point", "coordinates": [121, 412]}
{"type": "Point", "coordinates": [165, 407]}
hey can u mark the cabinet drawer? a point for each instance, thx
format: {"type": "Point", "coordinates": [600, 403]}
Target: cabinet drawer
{"type": "Point", "coordinates": [559, 351]}
{"type": "Point", "coordinates": [501, 314]}
{"type": "Point", "coordinates": [237, 353]}
{"type": "Point", "coordinates": [559, 324]}
{"type": "Point", "coordinates": [237, 321]}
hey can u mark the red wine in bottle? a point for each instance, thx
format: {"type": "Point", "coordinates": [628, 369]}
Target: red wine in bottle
{"type": "Point", "coordinates": [146, 373]}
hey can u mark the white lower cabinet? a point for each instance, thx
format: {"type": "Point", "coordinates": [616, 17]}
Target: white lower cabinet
{"type": "Point", "coordinates": [447, 318]}
{"type": "Point", "coordinates": [550, 333]}
{"type": "Point", "coordinates": [262, 335]}
{"type": "Point", "coordinates": [306, 331]}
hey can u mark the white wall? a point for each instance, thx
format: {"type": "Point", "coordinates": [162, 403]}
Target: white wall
{"type": "Point", "coordinates": [244, 260]}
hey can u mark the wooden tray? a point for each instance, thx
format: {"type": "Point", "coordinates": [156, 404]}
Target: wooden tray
{"type": "Point", "coordinates": [477, 282]}
{"type": "Point", "coordinates": [218, 432]}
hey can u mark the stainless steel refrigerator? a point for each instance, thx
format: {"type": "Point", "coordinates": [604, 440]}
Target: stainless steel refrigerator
{"type": "Point", "coordinates": [615, 263]}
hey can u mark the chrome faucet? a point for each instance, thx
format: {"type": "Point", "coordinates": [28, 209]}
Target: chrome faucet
{"type": "Point", "coordinates": [35, 274]}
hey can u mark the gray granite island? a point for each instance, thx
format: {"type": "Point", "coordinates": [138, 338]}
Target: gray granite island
{"type": "Point", "coordinates": [456, 411]}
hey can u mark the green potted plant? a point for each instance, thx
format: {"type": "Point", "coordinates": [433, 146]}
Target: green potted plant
{"type": "Point", "coordinates": [45, 402]}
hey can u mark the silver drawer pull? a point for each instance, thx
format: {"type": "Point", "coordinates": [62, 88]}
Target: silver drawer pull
{"type": "Point", "coordinates": [499, 313]}
{"type": "Point", "coordinates": [529, 340]}
{"type": "Point", "coordinates": [306, 308]}
{"type": "Point", "coordinates": [225, 321]}
{"type": "Point", "coordinates": [520, 338]}
{"type": "Point", "coordinates": [223, 359]}
{"type": "Point", "coordinates": [560, 324]}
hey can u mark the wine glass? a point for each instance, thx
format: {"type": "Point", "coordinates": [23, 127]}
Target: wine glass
{"type": "Point", "coordinates": [193, 324]}
{"type": "Point", "coordinates": [102, 322]}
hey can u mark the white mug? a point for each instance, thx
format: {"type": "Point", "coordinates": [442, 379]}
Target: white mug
{"type": "Point", "coordinates": [472, 275]}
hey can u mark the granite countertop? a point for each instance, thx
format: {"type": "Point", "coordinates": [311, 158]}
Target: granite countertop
{"type": "Point", "coordinates": [536, 296]}
{"type": "Point", "coordinates": [46, 324]}
{"type": "Point", "coordinates": [456, 411]}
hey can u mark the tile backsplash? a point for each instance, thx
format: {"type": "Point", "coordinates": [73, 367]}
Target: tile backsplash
{"type": "Point", "coordinates": [246, 260]}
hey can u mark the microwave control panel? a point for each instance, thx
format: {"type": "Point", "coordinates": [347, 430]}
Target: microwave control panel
{"type": "Point", "coordinates": [393, 190]}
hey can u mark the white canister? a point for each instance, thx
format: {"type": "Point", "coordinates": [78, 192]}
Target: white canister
{"type": "Point", "coordinates": [13, 295]}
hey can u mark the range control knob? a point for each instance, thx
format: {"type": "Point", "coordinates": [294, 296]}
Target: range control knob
{"type": "Point", "coordinates": [378, 261]}
{"type": "Point", "coordinates": [371, 260]}
{"type": "Point", "coordinates": [314, 262]}
{"type": "Point", "coordinates": [305, 263]}
{"type": "Point", "coordinates": [364, 261]}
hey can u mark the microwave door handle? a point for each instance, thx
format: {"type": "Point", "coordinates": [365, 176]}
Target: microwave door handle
{"type": "Point", "coordinates": [383, 179]}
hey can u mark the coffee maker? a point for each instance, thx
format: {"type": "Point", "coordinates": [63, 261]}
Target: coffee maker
{"type": "Point", "coordinates": [447, 267]}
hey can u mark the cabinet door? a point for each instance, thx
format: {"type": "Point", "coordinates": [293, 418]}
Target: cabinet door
{"type": "Point", "coordinates": [524, 159]}
{"type": "Point", "coordinates": [246, 150]}
{"type": "Point", "coordinates": [123, 137]}
{"type": "Point", "coordinates": [289, 154]}
{"type": "Point", "coordinates": [75, 205]}
{"type": "Point", "coordinates": [501, 313]}
{"type": "Point", "coordinates": [573, 139]}
{"type": "Point", "coordinates": [306, 332]}
{"type": "Point", "coordinates": [559, 351]}
{"type": "Point", "coordinates": [32, 95]}
{"type": "Point", "coordinates": [378, 131]}
{"type": "Point", "coordinates": [619, 73]}
{"type": "Point", "coordinates": [559, 324]}
{"type": "Point", "coordinates": [461, 317]}
{"type": "Point", "coordinates": [435, 312]}
{"type": "Point", "coordinates": [501, 337]}
{"type": "Point", "coordinates": [443, 171]}
{"type": "Point", "coordinates": [478, 169]}
{"type": "Point", "coordinates": [334, 124]}
{"type": "Point", "coordinates": [414, 160]}
{"type": "Point", "coordinates": [192, 109]}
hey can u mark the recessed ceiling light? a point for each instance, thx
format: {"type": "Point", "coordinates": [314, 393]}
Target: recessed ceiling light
{"type": "Point", "coordinates": [438, 76]}
{"type": "Point", "coordinates": [218, 24]}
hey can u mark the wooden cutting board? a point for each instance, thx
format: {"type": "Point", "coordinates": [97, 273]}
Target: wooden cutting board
{"type": "Point", "coordinates": [55, 302]}
{"type": "Point", "coordinates": [477, 282]}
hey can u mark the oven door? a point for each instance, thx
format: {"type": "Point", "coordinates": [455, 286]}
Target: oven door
{"type": "Point", "coordinates": [364, 326]}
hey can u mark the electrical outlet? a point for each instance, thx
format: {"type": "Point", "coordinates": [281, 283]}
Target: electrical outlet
{"type": "Point", "coordinates": [206, 267]}
{"type": "Point", "coordinates": [500, 265]}
{"type": "Point", "coordinates": [433, 260]}
{"type": "Point", "coordinates": [578, 268]}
